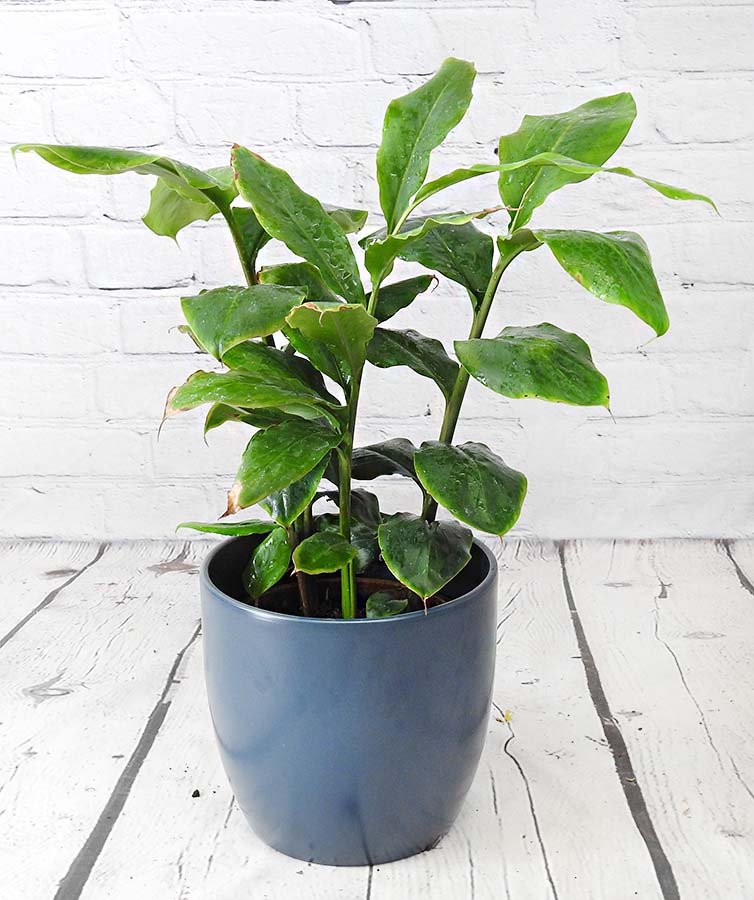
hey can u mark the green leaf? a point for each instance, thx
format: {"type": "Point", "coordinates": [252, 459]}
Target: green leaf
{"type": "Point", "coordinates": [395, 297]}
{"type": "Point", "coordinates": [287, 504]}
{"type": "Point", "coordinates": [414, 125]}
{"type": "Point", "coordinates": [425, 355]}
{"type": "Point", "coordinates": [383, 604]}
{"type": "Point", "coordinates": [393, 457]}
{"type": "Point", "coordinates": [590, 133]}
{"type": "Point", "coordinates": [252, 236]}
{"type": "Point", "coordinates": [169, 211]}
{"type": "Point", "coordinates": [245, 389]}
{"type": "Point", "coordinates": [365, 506]}
{"type": "Point", "coordinates": [268, 563]}
{"type": "Point", "coordinates": [363, 538]}
{"type": "Point", "coordinates": [299, 220]}
{"type": "Point", "coordinates": [323, 552]}
{"type": "Point", "coordinates": [220, 413]}
{"type": "Point", "coordinates": [303, 275]}
{"type": "Point", "coordinates": [277, 457]}
{"type": "Point", "coordinates": [615, 267]}
{"type": "Point", "coordinates": [253, 526]}
{"type": "Point", "coordinates": [424, 556]}
{"type": "Point", "coordinates": [350, 220]}
{"type": "Point", "coordinates": [537, 361]}
{"type": "Point", "coordinates": [344, 331]}
{"type": "Point", "coordinates": [473, 483]}
{"type": "Point", "coordinates": [224, 317]}
{"type": "Point", "coordinates": [381, 248]}
{"type": "Point", "coordinates": [461, 253]}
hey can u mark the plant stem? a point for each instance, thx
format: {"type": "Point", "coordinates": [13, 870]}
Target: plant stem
{"type": "Point", "coordinates": [518, 243]}
{"type": "Point", "coordinates": [294, 540]}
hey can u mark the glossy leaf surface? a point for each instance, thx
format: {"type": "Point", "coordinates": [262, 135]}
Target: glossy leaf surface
{"type": "Point", "coordinates": [343, 330]}
{"type": "Point", "coordinates": [536, 361]}
{"type": "Point", "coordinates": [473, 483]}
{"type": "Point", "coordinates": [424, 556]}
{"type": "Point", "coordinates": [224, 317]}
{"type": "Point", "coordinates": [220, 413]}
{"type": "Point", "coordinates": [425, 355]}
{"type": "Point", "coordinates": [414, 125]}
{"type": "Point", "coordinates": [303, 275]}
{"type": "Point", "coordinates": [287, 504]}
{"type": "Point", "coordinates": [298, 220]}
{"type": "Point", "coordinates": [395, 297]}
{"type": "Point", "coordinates": [363, 538]}
{"type": "Point", "coordinates": [231, 529]}
{"type": "Point", "coordinates": [393, 457]}
{"type": "Point", "coordinates": [269, 562]}
{"type": "Point", "coordinates": [323, 552]}
{"type": "Point", "coordinates": [169, 211]}
{"type": "Point", "coordinates": [383, 604]}
{"type": "Point", "coordinates": [277, 457]}
{"type": "Point", "coordinates": [616, 267]}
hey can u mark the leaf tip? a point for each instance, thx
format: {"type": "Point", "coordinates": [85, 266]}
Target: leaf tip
{"type": "Point", "coordinates": [234, 496]}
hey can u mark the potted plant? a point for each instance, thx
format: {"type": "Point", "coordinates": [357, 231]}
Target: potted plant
{"type": "Point", "coordinates": [349, 656]}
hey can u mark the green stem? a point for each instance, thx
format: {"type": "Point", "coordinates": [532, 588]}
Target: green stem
{"type": "Point", "coordinates": [518, 243]}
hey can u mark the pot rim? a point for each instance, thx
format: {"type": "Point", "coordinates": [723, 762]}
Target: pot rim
{"type": "Point", "coordinates": [269, 615]}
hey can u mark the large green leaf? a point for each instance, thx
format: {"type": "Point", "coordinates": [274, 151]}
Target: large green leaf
{"type": "Point", "coordinates": [460, 252]}
{"type": "Point", "coordinates": [425, 355]}
{"type": "Point", "coordinates": [169, 211]}
{"type": "Point", "coordinates": [287, 504]}
{"type": "Point", "coordinates": [277, 457]}
{"type": "Point", "coordinates": [323, 552]}
{"type": "Point", "coordinates": [224, 317]}
{"type": "Point", "coordinates": [231, 529]}
{"type": "Point", "coordinates": [363, 538]}
{"type": "Point", "coordinates": [268, 563]}
{"type": "Point", "coordinates": [615, 267]}
{"type": "Point", "coordinates": [393, 457]}
{"type": "Point", "coordinates": [414, 125]}
{"type": "Point", "coordinates": [382, 248]}
{"type": "Point", "coordinates": [590, 133]}
{"type": "Point", "coordinates": [299, 220]}
{"type": "Point", "coordinates": [303, 275]}
{"type": "Point", "coordinates": [220, 413]}
{"type": "Point", "coordinates": [473, 483]}
{"type": "Point", "coordinates": [343, 330]}
{"type": "Point", "coordinates": [536, 361]}
{"type": "Point", "coordinates": [395, 297]}
{"type": "Point", "coordinates": [424, 556]}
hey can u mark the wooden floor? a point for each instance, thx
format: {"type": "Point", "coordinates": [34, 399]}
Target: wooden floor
{"type": "Point", "coordinates": [619, 762]}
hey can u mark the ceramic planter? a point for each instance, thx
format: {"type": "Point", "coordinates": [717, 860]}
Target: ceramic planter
{"type": "Point", "coordinates": [349, 742]}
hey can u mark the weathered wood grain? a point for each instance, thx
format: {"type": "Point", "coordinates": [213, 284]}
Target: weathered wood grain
{"type": "Point", "coordinates": [77, 687]}
{"type": "Point", "coordinates": [671, 628]}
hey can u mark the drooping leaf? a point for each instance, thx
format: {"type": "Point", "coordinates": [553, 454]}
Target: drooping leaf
{"type": "Point", "coordinates": [169, 211]}
{"type": "Point", "coordinates": [287, 504]}
{"type": "Point", "coordinates": [424, 556]}
{"type": "Point", "coordinates": [473, 483]}
{"type": "Point", "coordinates": [323, 552]}
{"type": "Point", "coordinates": [536, 361]}
{"type": "Point", "coordinates": [363, 538]}
{"type": "Point", "coordinates": [224, 317]}
{"type": "Point", "coordinates": [395, 297]}
{"type": "Point", "coordinates": [220, 413]}
{"type": "Point", "coordinates": [425, 355]}
{"type": "Point", "coordinates": [381, 248]}
{"type": "Point", "coordinates": [414, 125]}
{"type": "Point", "coordinates": [460, 252]}
{"type": "Point", "coordinates": [615, 267]}
{"type": "Point", "coordinates": [344, 331]}
{"type": "Point", "coordinates": [383, 604]}
{"type": "Point", "coordinates": [277, 457]}
{"type": "Point", "coordinates": [303, 275]}
{"type": "Point", "coordinates": [393, 457]}
{"type": "Point", "coordinates": [590, 133]}
{"type": "Point", "coordinates": [268, 563]}
{"type": "Point", "coordinates": [299, 221]}
{"type": "Point", "coordinates": [251, 234]}
{"type": "Point", "coordinates": [253, 526]}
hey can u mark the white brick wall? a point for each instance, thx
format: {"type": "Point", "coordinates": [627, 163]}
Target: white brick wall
{"type": "Point", "coordinates": [87, 295]}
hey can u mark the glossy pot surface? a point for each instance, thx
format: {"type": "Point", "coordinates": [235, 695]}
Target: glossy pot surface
{"type": "Point", "coordinates": [349, 742]}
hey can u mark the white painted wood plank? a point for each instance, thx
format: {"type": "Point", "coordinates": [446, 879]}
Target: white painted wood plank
{"type": "Point", "coordinates": [671, 628]}
{"type": "Point", "coordinates": [583, 844]}
{"type": "Point", "coordinates": [31, 572]}
{"type": "Point", "coordinates": [167, 844]}
{"type": "Point", "coordinates": [77, 685]}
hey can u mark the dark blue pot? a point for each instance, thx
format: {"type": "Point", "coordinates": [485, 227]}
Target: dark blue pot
{"type": "Point", "coordinates": [349, 742]}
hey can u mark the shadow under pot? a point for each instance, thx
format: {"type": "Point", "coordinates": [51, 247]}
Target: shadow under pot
{"type": "Point", "coordinates": [349, 742]}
